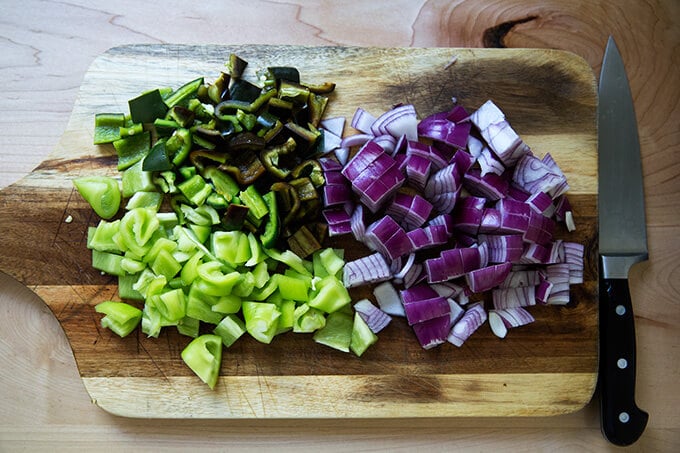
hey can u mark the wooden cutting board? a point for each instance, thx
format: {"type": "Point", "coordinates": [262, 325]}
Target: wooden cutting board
{"type": "Point", "coordinates": [548, 367]}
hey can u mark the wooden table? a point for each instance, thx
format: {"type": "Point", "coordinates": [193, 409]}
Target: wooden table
{"type": "Point", "coordinates": [48, 46]}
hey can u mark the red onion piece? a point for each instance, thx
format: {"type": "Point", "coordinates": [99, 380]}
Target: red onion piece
{"type": "Point", "coordinates": [388, 299]}
{"type": "Point", "coordinates": [521, 296]}
{"type": "Point", "coordinates": [498, 134]}
{"type": "Point", "coordinates": [362, 121]}
{"type": "Point", "coordinates": [425, 309]}
{"type": "Point", "coordinates": [486, 278]}
{"type": "Point", "coordinates": [471, 320]}
{"type": "Point", "coordinates": [433, 332]}
{"type": "Point", "coordinates": [369, 269]}
{"type": "Point", "coordinates": [334, 125]}
{"type": "Point", "coordinates": [502, 320]}
{"type": "Point", "coordinates": [375, 318]}
{"type": "Point", "coordinates": [401, 120]}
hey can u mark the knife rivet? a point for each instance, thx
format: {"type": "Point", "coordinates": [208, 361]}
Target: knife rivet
{"type": "Point", "coordinates": [624, 417]}
{"type": "Point", "coordinates": [620, 310]}
{"type": "Point", "coordinates": [622, 363]}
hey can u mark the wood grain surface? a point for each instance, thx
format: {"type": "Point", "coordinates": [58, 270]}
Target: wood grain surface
{"type": "Point", "coordinates": [48, 46]}
{"type": "Point", "coordinates": [550, 367]}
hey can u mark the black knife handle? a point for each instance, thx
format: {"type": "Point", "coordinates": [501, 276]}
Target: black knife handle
{"type": "Point", "coordinates": [621, 420]}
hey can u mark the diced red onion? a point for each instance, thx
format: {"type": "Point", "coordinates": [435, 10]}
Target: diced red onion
{"type": "Point", "coordinates": [425, 309]}
{"type": "Point", "coordinates": [521, 296]}
{"type": "Point", "coordinates": [502, 320]}
{"type": "Point", "coordinates": [375, 318]}
{"type": "Point", "coordinates": [489, 186]}
{"type": "Point", "coordinates": [489, 163]}
{"type": "Point", "coordinates": [498, 134]}
{"type": "Point", "coordinates": [331, 141]}
{"type": "Point", "coordinates": [573, 256]}
{"type": "Point", "coordinates": [432, 332]}
{"type": "Point", "coordinates": [543, 290]}
{"type": "Point", "coordinates": [355, 140]}
{"type": "Point", "coordinates": [418, 170]}
{"type": "Point", "coordinates": [335, 216]}
{"type": "Point", "coordinates": [369, 269]}
{"type": "Point", "coordinates": [414, 275]}
{"type": "Point", "coordinates": [443, 130]}
{"type": "Point", "coordinates": [357, 223]}
{"type": "Point", "coordinates": [541, 203]}
{"type": "Point", "coordinates": [445, 220]}
{"type": "Point", "coordinates": [339, 229]}
{"type": "Point", "coordinates": [471, 320]}
{"type": "Point", "coordinates": [362, 121]}
{"type": "Point", "coordinates": [448, 289]}
{"type": "Point", "coordinates": [328, 164]}
{"type": "Point", "coordinates": [539, 229]}
{"type": "Point", "coordinates": [526, 277]}
{"type": "Point", "coordinates": [388, 299]}
{"type": "Point", "coordinates": [504, 248]}
{"type": "Point", "coordinates": [532, 175]}
{"type": "Point", "coordinates": [467, 214]}
{"type": "Point", "coordinates": [486, 278]}
{"type": "Point", "coordinates": [334, 125]}
{"type": "Point", "coordinates": [401, 120]}
{"type": "Point", "coordinates": [336, 194]}
{"type": "Point", "coordinates": [456, 310]}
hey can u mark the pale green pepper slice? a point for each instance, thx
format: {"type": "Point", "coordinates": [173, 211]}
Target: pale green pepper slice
{"type": "Point", "coordinates": [101, 192]}
{"type": "Point", "coordinates": [204, 356]}
{"type": "Point", "coordinates": [120, 317]}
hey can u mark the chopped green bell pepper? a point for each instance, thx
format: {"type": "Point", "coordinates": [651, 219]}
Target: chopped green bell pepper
{"type": "Point", "coordinates": [120, 317]}
{"type": "Point", "coordinates": [230, 329]}
{"type": "Point", "coordinates": [101, 192]}
{"type": "Point", "coordinates": [146, 107]}
{"type": "Point", "coordinates": [107, 127]}
{"type": "Point", "coordinates": [337, 333]}
{"type": "Point", "coordinates": [204, 356]}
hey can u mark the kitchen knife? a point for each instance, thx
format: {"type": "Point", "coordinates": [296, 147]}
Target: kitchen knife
{"type": "Point", "coordinates": [622, 242]}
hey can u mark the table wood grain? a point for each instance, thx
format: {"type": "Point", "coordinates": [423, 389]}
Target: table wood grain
{"type": "Point", "coordinates": [46, 48]}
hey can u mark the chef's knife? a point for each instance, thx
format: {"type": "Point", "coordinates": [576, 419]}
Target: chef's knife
{"type": "Point", "coordinates": [623, 242]}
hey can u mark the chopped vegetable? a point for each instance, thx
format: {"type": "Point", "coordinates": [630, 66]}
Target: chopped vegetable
{"type": "Point", "coordinates": [101, 192]}
{"type": "Point", "coordinates": [204, 356]}
{"type": "Point", "coordinates": [120, 317]}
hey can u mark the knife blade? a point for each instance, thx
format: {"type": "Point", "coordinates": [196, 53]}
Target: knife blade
{"type": "Point", "coordinates": [622, 243]}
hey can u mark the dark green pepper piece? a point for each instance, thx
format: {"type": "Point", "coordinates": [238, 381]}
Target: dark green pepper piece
{"type": "Point", "coordinates": [218, 90]}
{"type": "Point", "coordinates": [289, 200]}
{"type": "Point", "coordinates": [285, 73]}
{"type": "Point", "coordinates": [222, 182]}
{"type": "Point", "coordinates": [236, 65]}
{"type": "Point", "coordinates": [146, 107]}
{"type": "Point", "coordinates": [179, 145]}
{"type": "Point", "coordinates": [157, 159]}
{"type": "Point", "coordinates": [242, 90]}
{"type": "Point", "coordinates": [234, 217]}
{"type": "Point", "coordinates": [270, 158]}
{"type": "Point", "coordinates": [246, 168]}
{"type": "Point", "coordinates": [305, 189]}
{"type": "Point", "coordinates": [324, 88]}
{"type": "Point", "coordinates": [182, 95]}
{"type": "Point", "coordinates": [165, 127]}
{"type": "Point", "coordinates": [272, 228]}
{"type": "Point", "coordinates": [312, 169]}
{"type": "Point", "coordinates": [317, 106]}
{"type": "Point", "coordinates": [293, 92]}
{"type": "Point", "coordinates": [182, 115]}
{"type": "Point", "coordinates": [200, 157]}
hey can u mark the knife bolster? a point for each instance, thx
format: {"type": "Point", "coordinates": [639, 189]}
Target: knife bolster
{"type": "Point", "coordinates": [617, 265]}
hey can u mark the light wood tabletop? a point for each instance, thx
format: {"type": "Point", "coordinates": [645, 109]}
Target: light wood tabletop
{"type": "Point", "coordinates": [46, 48]}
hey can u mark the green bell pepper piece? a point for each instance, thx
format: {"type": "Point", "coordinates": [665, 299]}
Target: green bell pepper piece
{"type": "Point", "coordinates": [157, 159]}
{"type": "Point", "coordinates": [179, 145]}
{"type": "Point", "coordinates": [213, 281]}
{"type": "Point", "coordinates": [189, 327]}
{"type": "Point", "coordinates": [204, 356]}
{"type": "Point", "coordinates": [102, 237]}
{"type": "Point", "coordinates": [101, 192]}
{"type": "Point", "coordinates": [331, 295]}
{"type": "Point", "coordinates": [146, 107]}
{"type": "Point", "coordinates": [195, 189]}
{"type": "Point", "coordinates": [227, 304]}
{"type": "Point", "coordinates": [307, 319]}
{"type": "Point", "coordinates": [272, 228]}
{"type": "Point", "coordinates": [135, 179]}
{"type": "Point", "coordinates": [142, 199]}
{"type": "Point", "coordinates": [125, 289]}
{"type": "Point", "coordinates": [183, 94]}
{"type": "Point", "coordinates": [109, 263]}
{"type": "Point", "coordinates": [172, 305]}
{"type": "Point", "coordinates": [261, 319]}
{"type": "Point", "coordinates": [120, 317]}
{"type": "Point", "coordinates": [107, 127]}
{"type": "Point", "coordinates": [256, 204]}
{"type": "Point", "coordinates": [230, 329]}
{"type": "Point", "coordinates": [292, 288]}
{"type": "Point", "coordinates": [362, 336]}
{"type": "Point", "coordinates": [337, 333]}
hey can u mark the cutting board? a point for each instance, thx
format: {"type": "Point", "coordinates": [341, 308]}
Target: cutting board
{"type": "Point", "coordinates": [548, 367]}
